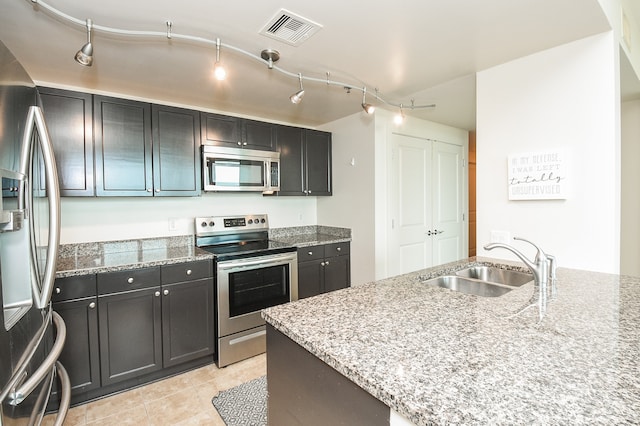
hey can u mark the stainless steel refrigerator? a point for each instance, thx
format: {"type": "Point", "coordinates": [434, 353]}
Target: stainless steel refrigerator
{"type": "Point", "coordinates": [31, 334]}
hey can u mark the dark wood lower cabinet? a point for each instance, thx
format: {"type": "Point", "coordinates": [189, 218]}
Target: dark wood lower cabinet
{"type": "Point", "coordinates": [128, 328]}
{"type": "Point", "coordinates": [187, 321]}
{"type": "Point", "coordinates": [80, 355]}
{"type": "Point", "coordinates": [130, 334]}
{"type": "Point", "coordinates": [303, 390]}
{"type": "Point", "coordinates": [323, 268]}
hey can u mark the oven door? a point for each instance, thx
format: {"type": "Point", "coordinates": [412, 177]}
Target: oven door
{"type": "Point", "coordinates": [248, 285]}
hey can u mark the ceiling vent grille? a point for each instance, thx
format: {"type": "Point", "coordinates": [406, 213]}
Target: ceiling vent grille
{"type": "Point", "coordinates": [290, 28]}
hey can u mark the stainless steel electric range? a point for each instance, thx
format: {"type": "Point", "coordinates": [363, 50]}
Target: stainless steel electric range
{"type": "Point", "coordinates": [252, 273]}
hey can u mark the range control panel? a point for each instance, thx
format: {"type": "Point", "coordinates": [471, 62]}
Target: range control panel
{"type": "Point", "coordinates": [227, 224]}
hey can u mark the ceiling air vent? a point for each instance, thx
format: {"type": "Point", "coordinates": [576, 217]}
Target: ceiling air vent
{"type": "Point", "coordinates": [290, 28]}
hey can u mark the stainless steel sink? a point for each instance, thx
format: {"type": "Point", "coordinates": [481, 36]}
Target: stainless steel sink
{"type": "Point", "coordinates": [496, 275]}
{"type": "Point", "coordinates": [468, 286]}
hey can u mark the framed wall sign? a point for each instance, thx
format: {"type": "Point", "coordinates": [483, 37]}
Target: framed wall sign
{"type": "Point", "coordinates": [538, 176]}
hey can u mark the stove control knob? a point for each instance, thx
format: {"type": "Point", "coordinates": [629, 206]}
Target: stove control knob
{"type": "Point", "coordinates": [250, 221]}
{"type": "Point", "coordinates": [262, 220]}
{"type": "Point", "coordinates": [203, 224]}
{"type": "Point", "coordinates": [212, 223]}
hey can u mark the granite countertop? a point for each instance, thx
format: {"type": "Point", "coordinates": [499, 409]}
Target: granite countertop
{"type": "Point", "coordinates": [442, 357]}
{"type": "Point", "coordinates": [305, 236]}
{"type": "Point", "coordinates": [110, 256]}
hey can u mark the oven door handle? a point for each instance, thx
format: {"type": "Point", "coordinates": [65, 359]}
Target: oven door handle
{"type": "Point", "coordinates": [262, 262]}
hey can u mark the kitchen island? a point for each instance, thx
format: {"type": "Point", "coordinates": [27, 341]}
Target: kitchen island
{"type": "Point", "coordinates": [437, 356]}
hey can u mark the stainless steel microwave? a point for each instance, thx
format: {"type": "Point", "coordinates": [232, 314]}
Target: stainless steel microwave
{"type": "Point", "coordinates": [238, 169]}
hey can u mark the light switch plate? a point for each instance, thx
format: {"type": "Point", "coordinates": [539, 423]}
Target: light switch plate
{"type": "Point", "coordinates": [503, 237]}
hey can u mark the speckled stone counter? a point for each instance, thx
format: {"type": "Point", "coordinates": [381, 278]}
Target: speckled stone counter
{"type": "Point", "coordinates": [109, 256]}
{"type": "Point", "coordinates": [305, 236]}
{"type": "Point", "coordinates": [438, 356]}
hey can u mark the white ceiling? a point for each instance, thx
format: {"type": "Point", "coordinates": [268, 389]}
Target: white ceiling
{"type": "Point", "coordinates": [427, 50]}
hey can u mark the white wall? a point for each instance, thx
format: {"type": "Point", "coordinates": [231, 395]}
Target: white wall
{"type": "Point", "coordinates": [565, 97]}
{"type": "Point", "coordinates": [122, 218]}
{"type": "Point", "coordinates": [630, 200]}
{"type": "Point", "coordinates": [360, 191]}
{"type": "Point", "coordinates": [353, 202]}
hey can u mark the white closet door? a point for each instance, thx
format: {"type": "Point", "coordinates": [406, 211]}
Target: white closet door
{"type": "Point", "coordinates": [448, 205]}
{"type": "Point", "coordinates": [411, 248]}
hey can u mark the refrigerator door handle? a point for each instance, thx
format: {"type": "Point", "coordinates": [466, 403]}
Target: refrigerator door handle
{"type": "Point", "coordinates": [42, 294]}
{"type": "Point", "coordinates": [19, 394]}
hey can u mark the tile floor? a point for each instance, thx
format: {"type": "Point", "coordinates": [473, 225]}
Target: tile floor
{"type": "Point", "coordinates": [183, 400]}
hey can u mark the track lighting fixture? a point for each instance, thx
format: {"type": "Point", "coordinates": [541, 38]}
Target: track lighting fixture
{"type": "Point", "coordinates": [267, 56]}
{"type": "Point", "coordinates": [270, 56]}
{"type": "Point", "coordinates": [218, 70]}
{"type": "Point", "coordinates": [297, 97]}
{"type": "Point", "coordinates": [399, 117]}
{"type": "Point", "coordinates": [85, 55]}
{"type": "Point", "coordinates": [368, 108]}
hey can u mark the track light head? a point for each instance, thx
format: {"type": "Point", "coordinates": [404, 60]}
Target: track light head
{"type": "Point", "coordinates": [296, 98]}
{"type": "Point", "coordinates": [399, 117]}
{"type": "Point", "coordinates": [218, 70]}
{"type": "Point", "coordinates": [84, 56]}
{"type": "Point", "coordinates": [368, 108]}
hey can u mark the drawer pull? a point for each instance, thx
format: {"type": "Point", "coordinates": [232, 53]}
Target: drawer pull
{"type": "Point", "coordinates": [130, 280]}
{"type": "Point", "coordinates": [189, 272]}
{"type": "Point", "coordinates": [92, 305]}
{"type": "Point", "coordinates": [166, 292]}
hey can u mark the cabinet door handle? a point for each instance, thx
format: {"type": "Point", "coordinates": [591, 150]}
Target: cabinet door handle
{"type": "Point", "coordinates": [58, 290]}
{"type": "Point", "coordinates": [157, 190]}
{"type": "Point", "coordinates": [189, 272]}
{"type": "Point", "coordinates": [157, 294]}
{"type": "Point", "coordinates": [130, 280]}
{"type": "Point", "coordinates": [339, 249]}
{"type": "Point", "coordinates": [149, 190]}
{"type": "Point", "coordinates": [166, 292]}
{"type": "Point", "coordinates": [326, 263]}
{"type": "Point", "coordinates": [92, 305]}
{"type": "Point", "coordinates": [239, 143]}
{"type": "Point", "coordinates": [310, 253]}
{"type": "Point", "coordinates": [244, 144]}
{"type": "Point", "coordinates": [321, 263]}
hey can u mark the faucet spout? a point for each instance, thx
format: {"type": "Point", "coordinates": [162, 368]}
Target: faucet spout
{"type": "Point", "coordinates": [539, 268]}
{"type": "Point", "coordinates": [533, 267]}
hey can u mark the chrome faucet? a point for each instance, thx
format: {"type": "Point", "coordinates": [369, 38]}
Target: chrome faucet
{"type": "Point", "coordinates": [540, 268]}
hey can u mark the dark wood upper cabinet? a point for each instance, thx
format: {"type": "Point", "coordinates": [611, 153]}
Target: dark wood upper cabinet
{"type": "Point", "coordinates": [123, 147]}
{"type": "Point", "coordinates": [146, 150]}
{"type": "Point", "coordinates": [290, 144]}
{"type": "Point", "coordinates": [237, 132]}
{"type": "Point", "coordinates": [69, 119]}
{"type": "Point", "coordinates": [305, 161]}
{"type": "Point", "coordinates": [258, 135]}
{"type": "Point", "coordinates": [176, 151]}
{"type": "Point", "coordinates": [318, 162]}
